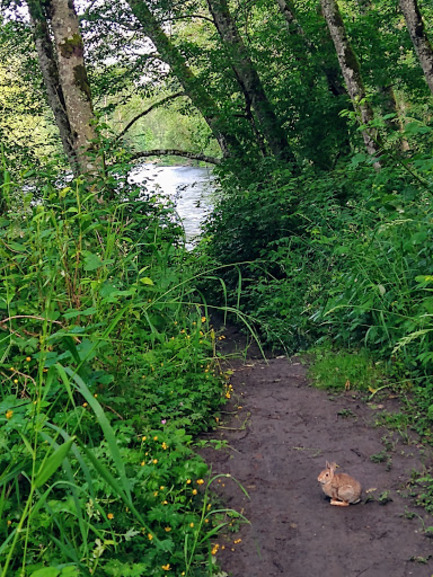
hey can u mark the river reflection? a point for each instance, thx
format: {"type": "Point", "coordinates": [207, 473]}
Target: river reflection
{"type": "Point", "coordinates": [188, 187]}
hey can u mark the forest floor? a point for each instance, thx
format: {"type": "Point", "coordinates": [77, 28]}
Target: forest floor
{"type": "Point", "coordinates": [279, 431]}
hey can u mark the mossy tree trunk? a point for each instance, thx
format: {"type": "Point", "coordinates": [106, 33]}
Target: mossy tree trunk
{"type": "Point", "coordinates": [50, 73]}
{"type": "Point", "coordinates": [418, 35]}
{"type": "Point", "coordinates": [74, 81]}
{"type": "Point", "coordinates": [249, 80]}
{"type": "Point", "coordinates": [351, 72]}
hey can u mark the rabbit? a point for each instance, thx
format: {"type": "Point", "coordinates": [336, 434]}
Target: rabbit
{"type": "Point", "coordinates": [343, 489]}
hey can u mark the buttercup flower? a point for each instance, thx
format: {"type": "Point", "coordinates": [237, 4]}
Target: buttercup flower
{"type": "Point", "coordinates": [9, 414]}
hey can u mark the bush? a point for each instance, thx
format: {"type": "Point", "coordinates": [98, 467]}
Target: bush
{"type": "Point", "coordinates": [108, 368]}
{"type": "Point", "coordinates": [344, 256]}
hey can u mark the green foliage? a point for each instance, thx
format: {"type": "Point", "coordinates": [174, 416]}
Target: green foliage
{"type": "Point", "coordinates": [341, 257]}
{"type": "Point", "coordinates": [26, 126]}
{"type": "Point", "coordinates": [108, 368]}
{"type": "Point", "coordinates": [342, 370]}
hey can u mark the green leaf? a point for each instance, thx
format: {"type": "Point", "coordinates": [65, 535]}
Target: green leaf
{"type": "Point", "coordinates": [46, 572]}
{"type": "Point", "coordinates": [50, 466]}
{"type": "Point", "coordinates": [86, 313]}
{"type": "Point", "coordinates": [70, 572]}
{"type": "Point", "coordinates": [92, 262]}
{"type": "Point", "coordinates": [146, 280]}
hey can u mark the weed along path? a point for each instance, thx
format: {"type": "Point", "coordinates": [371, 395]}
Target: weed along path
{"type": "Point", "coordinates": [279, 432]}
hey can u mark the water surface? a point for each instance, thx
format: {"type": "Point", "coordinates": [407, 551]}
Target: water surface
{"type": "Point", "coordinates": [190, 188]}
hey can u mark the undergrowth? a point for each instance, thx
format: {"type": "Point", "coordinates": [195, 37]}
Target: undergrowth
{"type": "Point", "coordinates": [340, 261]}
{"type": "Point", "coordinates": [108, 371]}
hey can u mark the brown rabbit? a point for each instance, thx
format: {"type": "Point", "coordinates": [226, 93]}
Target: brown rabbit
{"type": "Point", "coordinates": [343, 489]}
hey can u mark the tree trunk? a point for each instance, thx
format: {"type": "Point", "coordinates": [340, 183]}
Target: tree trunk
{"type": "Point", "coordinates": [191, 85]}
{"type": "Point", "coordinates": [330, 72]}
{"type": "Point", "coordinates": [418, 35]}
{"type": "Point", "coordinates": [351, 72]}
{"type": "Point", "coordinates": [74, 81]}
{"type": "Point", "coordinates": [249, 80]}
{"type": "Point", "coordinates": [50, 74]}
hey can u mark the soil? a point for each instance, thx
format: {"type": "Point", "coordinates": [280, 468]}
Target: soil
{"type": "Point", "coordinates": [280, 431]}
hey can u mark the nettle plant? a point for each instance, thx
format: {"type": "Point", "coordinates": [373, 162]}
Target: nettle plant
{"type": "Point", "coordinates": [108, 366]}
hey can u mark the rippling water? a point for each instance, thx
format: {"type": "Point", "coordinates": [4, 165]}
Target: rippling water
{"type": "Point", "coordinates": [190, 188]}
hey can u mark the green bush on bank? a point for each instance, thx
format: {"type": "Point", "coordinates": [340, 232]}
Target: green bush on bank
{"type": "Point", "coordinates": [108, 369]}
{"type": "Point", "coordinates": [343, 257]}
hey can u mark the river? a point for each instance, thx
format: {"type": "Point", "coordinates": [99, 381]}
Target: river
{"type": "Point", "coordinates": [190, 188]}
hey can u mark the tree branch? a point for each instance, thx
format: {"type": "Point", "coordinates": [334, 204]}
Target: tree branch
{"type": "Point", "coordinates": [152, 107]}
{"type": "Point", "coordinates": [188, 17]}
{"type": "Point", "coordinates": [173, 152]}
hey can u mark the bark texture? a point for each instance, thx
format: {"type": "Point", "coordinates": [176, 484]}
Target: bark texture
{"type": "Point", "coordinates": [50, 73]}
{"type": "Point", "coordinates": [418, 35]}
{"type": "Point", "coordinates": [191, 85]}
{"type": "Point", "coordinates": [249, 80]}
{"type": "Point", "coordinates": [74, 80]}
{"type": "Point", "coordinates": [351, 71]}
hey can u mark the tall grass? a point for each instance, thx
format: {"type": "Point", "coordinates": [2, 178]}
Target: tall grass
{"type": "Point", "coordinates": [108, 369]}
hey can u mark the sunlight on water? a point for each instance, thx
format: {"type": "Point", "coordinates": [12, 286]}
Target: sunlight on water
{"type": "Point", "coordinates": [190, 188]}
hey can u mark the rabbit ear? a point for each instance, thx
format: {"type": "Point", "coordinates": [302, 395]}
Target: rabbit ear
{"type": "Point", "coordinates": [331, 466]}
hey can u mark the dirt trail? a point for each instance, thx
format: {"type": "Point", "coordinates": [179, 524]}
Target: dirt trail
{"type": "Point", "coordinates": [278, 443]}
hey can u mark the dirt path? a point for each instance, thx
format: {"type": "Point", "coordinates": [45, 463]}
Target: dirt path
{"type": "Point", "coordinates": [278, 443]}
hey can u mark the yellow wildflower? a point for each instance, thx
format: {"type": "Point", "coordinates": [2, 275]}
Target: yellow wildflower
{"type": "Point", "coordinates": [110, 516]}
{"type": "Point", "coordinates": [200, 481]}
{"type": "Point", "coordinates": [9, 414]}
{"type": "Point", "coordinates": [166, 567]}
